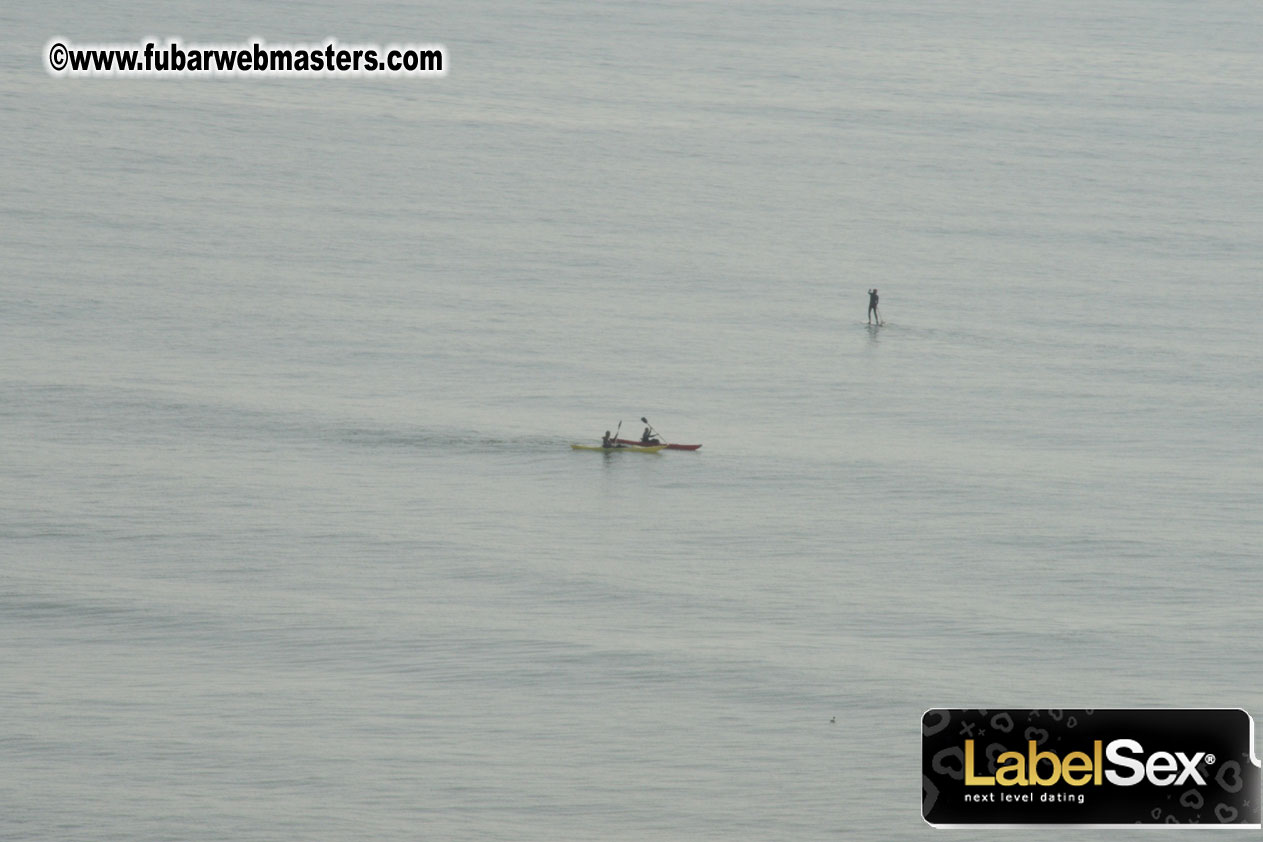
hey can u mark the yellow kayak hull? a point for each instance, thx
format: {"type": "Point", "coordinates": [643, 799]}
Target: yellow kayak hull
{"type": "Point", "coordinates": [633, 448]}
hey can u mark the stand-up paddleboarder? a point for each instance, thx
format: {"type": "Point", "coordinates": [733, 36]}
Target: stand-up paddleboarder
{"type": "Point", "coordinates": [872, 306]}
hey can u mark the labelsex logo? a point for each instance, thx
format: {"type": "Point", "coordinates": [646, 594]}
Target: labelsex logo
{"type": "Point", "coordinates": [1099, 767]}
{"type": "Point", "coordinates": [1162, 768]}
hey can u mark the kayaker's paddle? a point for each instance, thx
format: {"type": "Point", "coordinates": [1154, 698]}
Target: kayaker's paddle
{"type": "Point", "coordinates": [652, 432]}
{"type": "Point", "coordinates": [614, 440]}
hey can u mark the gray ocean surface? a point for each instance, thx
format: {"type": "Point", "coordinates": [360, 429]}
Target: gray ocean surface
{"type": "Point", "coordinates": [292, 543]}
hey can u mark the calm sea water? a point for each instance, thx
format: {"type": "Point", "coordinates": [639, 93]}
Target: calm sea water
{"type": "Point", "coordinates": [293, 545]}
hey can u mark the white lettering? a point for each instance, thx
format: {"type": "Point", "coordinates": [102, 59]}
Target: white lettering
{"type": "Point", "coordinates": [1114, 751]}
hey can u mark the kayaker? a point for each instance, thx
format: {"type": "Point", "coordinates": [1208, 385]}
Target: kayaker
{"type": "Point", "coordinates": [872, 306]}
{"type": "Point", "coordinates": [606, 441]}
{"type": "Point", "coordinates": [647, 437]}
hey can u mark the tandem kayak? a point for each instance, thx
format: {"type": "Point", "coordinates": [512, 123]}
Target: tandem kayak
{"type": "Point", "coordinates": [634, 448]}
{"type": "Point", "coordinates": [667, 446]}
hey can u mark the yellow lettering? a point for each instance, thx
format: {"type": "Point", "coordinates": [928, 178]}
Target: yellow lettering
{"type": "Point", "coordinates": [1034, 770]}
{"type": "Point", "coordinates": [1016, 769]}
{"type": "Point", "coordinates": [1002, 776]}
{"type": "Point", "coordinates": [970, 778]}
{"type": "Point", "coordinates": [1076, 769]}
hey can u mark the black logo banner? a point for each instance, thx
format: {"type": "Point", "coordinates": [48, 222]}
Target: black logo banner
{"type": "Point", "coordinates": [1105, 766]}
